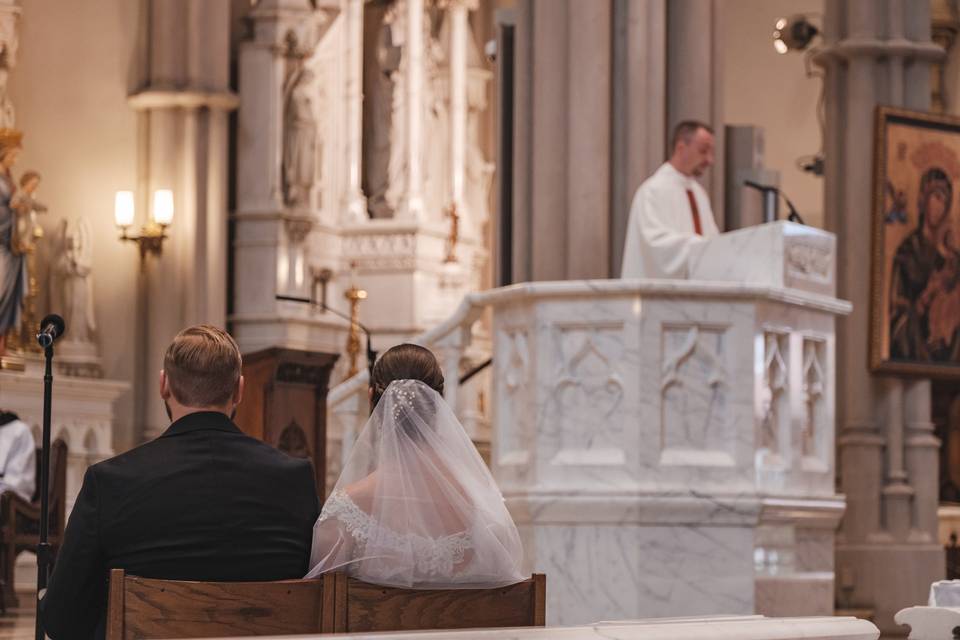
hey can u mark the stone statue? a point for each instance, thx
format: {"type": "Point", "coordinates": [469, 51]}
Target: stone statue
{"type": "Point", "coordinates": [27, 231]}
{"type": "Point", "coordinates": [300, 141]}
{"type": "Point", "coordinates": [436, 118]}
{"type": "Point", "coordinates": [383, 99]}
{"type": "Point", "coordinates": [13, 271]}
{"type": "Point", "coordinates": [7, 114]}
{"type": "Point", "coordinates": [73, 268]}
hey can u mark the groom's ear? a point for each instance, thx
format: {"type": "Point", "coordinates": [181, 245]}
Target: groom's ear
{"type": "Point", "coordinates": [164, 385]}
{"type": "Point", "coordinates": [238, 392]}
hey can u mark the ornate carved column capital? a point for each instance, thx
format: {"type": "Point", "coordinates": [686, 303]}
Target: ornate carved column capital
{"type": "Point", "coordinates": [297, 228]}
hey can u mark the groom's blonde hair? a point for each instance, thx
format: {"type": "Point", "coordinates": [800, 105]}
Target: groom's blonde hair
{"type": "Point", "coordinates": [203, 366]}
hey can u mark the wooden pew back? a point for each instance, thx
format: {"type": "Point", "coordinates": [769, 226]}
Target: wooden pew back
{"type": "Point", "coordinates": [363, 607]}
{"type": "Point", "coordinates": [145, 608]}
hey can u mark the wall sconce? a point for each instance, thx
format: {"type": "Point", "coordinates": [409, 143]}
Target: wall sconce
{"type": "Point", "coordinates": [151, 236]}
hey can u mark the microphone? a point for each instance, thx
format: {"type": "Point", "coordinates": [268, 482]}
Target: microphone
{"type": "Point", "coordinates": [51, 328]}
{"type": "Point", "coordinates": [760, 187]}
{"type": "Point", "coordinates": [766, 188]}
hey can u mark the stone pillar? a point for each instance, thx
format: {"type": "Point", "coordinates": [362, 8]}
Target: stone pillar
{"type": "Point", "coordinates": [563, 149]}
{"type": "Point", "coordinates": [876, 53]}
{"type": "Point", "coordinates": [639, 132]}
{"type": "Point", "coordinates": [354, 204]}
{"type": "Point", "coordinates": [184, 107]}
{"type": "Point", "coordinates": [411, 207]}
{"type": "Point", "coordinates": [273, 239]}
{"type": "Point", "coordinates": [458, 16]}
{"type": "Point", "coordinates": [695, 80]}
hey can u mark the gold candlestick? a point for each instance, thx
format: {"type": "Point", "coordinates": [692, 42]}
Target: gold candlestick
{"type": "Point", "coordinates": [354, 296]}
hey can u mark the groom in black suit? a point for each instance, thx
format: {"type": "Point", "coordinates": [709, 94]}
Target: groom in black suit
{"type": "Point", "coordinates": [201, 502]}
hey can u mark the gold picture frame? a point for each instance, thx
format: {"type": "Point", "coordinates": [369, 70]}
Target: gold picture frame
{"type": "Point", "coordinates": [915, 266]}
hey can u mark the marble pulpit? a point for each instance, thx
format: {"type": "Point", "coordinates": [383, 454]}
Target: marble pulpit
{"type": "Point", "coordinates": [667, 447]}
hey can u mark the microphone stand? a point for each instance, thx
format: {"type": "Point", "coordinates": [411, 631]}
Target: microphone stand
{"type": "Point", "coordinates": [770, 203]}
{"type": "Point", "coordinates": [794, 216]}
{"type": "Point", "coordinates": [43, 548]}
{"type": "Point", "coordinates": [371, 354]}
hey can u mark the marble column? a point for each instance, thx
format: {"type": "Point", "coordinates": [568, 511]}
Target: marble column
{"type": "Point", "coordinates": [458, 15]}
{"type": "Point", "coordinates": [354, 202]}
{"type": "Point", "coordinates": [563, 140]}
{"type": "Point", "coordinates": [411, 207]}
{"type": "Point", "coordinates": [639, 107]}
{"type": "Point", "coordinates": [695, 79]}
{"type": "Point", "coordinates": [876, 53]}
{"type": "Point", "coordinates": [184, 106]}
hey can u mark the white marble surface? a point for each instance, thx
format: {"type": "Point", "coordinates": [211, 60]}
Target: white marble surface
{"type": "Point", "coordinates": [782, 254]}
{"type": "Point", "coordinates": [667, 447]}
{"type": "Point", "coordinates": [701, 628]}
{"type": "Point", "coordinates": [929, 623]}
{"type": "Point", "coordinates": [82, 415]}
{"type": "Point", "coordinates": [401, 261]}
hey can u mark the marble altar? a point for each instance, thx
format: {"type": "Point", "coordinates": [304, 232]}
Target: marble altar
{"type": "Point", "coordinates": [393, 194]}
{"type": "Point", "coordinates": [667, 447]}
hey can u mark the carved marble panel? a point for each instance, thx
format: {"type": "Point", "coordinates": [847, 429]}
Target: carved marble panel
{"type": "Point", "coordinates": [695, 422]}
{"type": "Point", "coordinates": [814, 429]}
{"type": "Point", "coordinates": [774, 409]}
{"type": "Point", "coordinates": [587, 392]}
{"type": "Point", "coordinates": [512, 363]}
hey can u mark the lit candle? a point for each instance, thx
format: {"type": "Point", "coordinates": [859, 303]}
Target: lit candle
{"type": "Point", "coordinates": [163, 206]}
{"type": "Point", "coordinates": [123, 209]}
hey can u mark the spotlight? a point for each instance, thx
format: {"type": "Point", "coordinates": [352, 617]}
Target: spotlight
{"type": "Point", "coordinates": [793, 34]}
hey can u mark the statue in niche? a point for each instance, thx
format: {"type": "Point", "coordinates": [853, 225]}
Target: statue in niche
{"type": "Point", "coordinates": [436, 105]}
{"type": "Point", "coordinates": [383, 98]}
{"type": "Point", "coordinates": [74, 268]}
{"type": "Point", "coordinates": [13, 271]}
{"type": "Point", "coordinates": [300, 139]}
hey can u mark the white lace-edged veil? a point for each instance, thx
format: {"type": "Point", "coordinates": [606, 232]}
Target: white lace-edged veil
{"type": "Point", "coordinates": [415, 506]}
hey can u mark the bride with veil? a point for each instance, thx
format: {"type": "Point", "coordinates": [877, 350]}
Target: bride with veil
{"type": "Point", "coordinates": [415, 506]}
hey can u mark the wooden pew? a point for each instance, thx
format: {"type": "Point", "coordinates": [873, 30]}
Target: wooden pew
{"type": "Point", "coordinates": [147, 608]}
{"type": "Point", "coordinates": [363, 607]}
{"type": "Point", "coordinates": [151, 609]}
{"type": "Point", "coordinates": [20, 520]}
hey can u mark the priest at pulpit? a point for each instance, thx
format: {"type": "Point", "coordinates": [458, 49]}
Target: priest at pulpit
{"type": "Point", "coordinates": [671, 210]}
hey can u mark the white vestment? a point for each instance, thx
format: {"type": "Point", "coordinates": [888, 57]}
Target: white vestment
{"type": "Point", "coordinates": [18, 459]}
{"type": "Point", "coordinates": [660, 232]}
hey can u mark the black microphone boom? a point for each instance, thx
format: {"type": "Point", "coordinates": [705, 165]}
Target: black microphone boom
{"type": "Point", "coordinates": [767, 188]}
{"type": "Point", "coordinates": [371, 354]}
{"type": "Point", "coordinates": [51, 328]}
{"type": "Point", "coordinates": [758, 186]}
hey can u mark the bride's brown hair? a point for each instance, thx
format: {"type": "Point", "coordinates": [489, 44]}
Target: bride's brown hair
{"type": "Point", "coordinates": [405, 362]}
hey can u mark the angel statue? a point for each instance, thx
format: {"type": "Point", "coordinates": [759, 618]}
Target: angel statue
{"type": "Point", "coordinates": [73, 268]}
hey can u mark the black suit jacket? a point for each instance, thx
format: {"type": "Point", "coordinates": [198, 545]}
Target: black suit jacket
{"type": "Point", "coordinates": [201, 502]}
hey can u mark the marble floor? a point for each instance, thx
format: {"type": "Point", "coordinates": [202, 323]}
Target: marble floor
{"type": "Point", "coordinates": [19, 623]}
